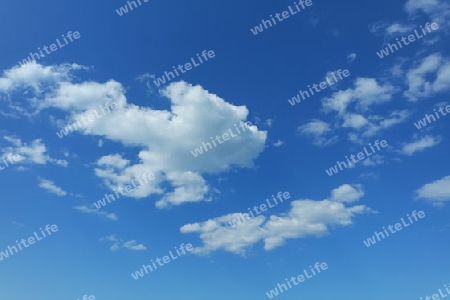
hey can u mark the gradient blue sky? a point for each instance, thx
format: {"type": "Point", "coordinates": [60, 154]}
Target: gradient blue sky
{"type": "Point", "coordinates": [289, 148]}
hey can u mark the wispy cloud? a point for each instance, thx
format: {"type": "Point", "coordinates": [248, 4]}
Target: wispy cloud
{"type": "Point", "coordinates": [119, 243]}
{"type": "Point", "coordinates": [351, 57]}
{"type": "Point", "coordinates": [18, 225]}
{"type": "Point", "coordinates": [420, 144]}
{"type": "Point", "coordinates": [50, 187]}
{"type": "Point", "coordinates": [87, 210]}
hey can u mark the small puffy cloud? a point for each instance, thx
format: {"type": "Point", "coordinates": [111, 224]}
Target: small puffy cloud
{"type": "Point", "coordinates": [420, 145]}
{"type": "Point", "coordinates": [51, 187]}
{"type": "Point", "coordinates": [88, 210]}
{"type": "Point", "coordinates": [133, 245]}
{"type": "Point", "coordinates": [355, 121]}
{"type": "Point", "coordinates": [436, 193]}
{"type": "Point", "coordinates": [347, 193]}
{"type": "Point", "coordinates": [119, 243]}
{"type": "Point", "coordinates": [305, 218]}
{"type": "Point", "coordinates": [319, 131]}
{"type": "Point", "coordinates": [278, 143]}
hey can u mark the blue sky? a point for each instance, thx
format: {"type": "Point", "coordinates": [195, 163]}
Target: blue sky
{"type": "Point", "coordinates": [191, 199]}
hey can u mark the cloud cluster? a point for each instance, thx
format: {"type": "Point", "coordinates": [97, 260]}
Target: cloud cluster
{"type": "Point", "coordinates": [354, 107]}
{"type": "Point", "coordinates": [432, 66]}
{"type": "Point", "coordinates": [164, 137]}
{"type": "Point", "coordinates": [35, 153]}
{"type": "Point", "coordinates": [305, 218]}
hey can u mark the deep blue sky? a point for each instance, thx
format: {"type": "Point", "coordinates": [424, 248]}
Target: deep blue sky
{"type": "Point", "coordinates": [289, 148]}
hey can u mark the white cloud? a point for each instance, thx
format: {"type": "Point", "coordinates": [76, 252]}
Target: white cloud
{"type": "Point", "coordinates": [399, 29]}
{"type": "Point", "coordinates": [278, 143]}
{"type": "Point", "coordinates": [378, 123]}
{"type": "Point", "coordinates": [354, 121]}
{"type": "Point", "coordinates": [51, 187]}
{"type": "Point", "coordinates": [372, 125]}
{"type": "Point", "coordinates": [320, 131]}
{"type": "Point", "coordinates": [436, 192]}
{"type": "Point", "coordinates": [367, 92]}
{"type": "Point", "coordinates": [33, 153]}
{"type": "Point", "coordinates": [437, 10]}
{"type": "Point", "coordinates": [87, 210]}
{"type": "Point", "coordinates": [119, 243]}
{"type": "Point", "coordinates": [347, 193]}
{"type": "Point", "coordinates": [34, 75]}
{"type": "Point", "coordinates": [432, 66]}
{"type": "Point", "coordinates": [305, 218]}
{"type": "Point", "coordinates": [164, 138]}
{"type": "Point", "coordinates": [373, 160]}
{"type": "Point", "coordinates": [420, 145]}
{"type": "Point", "coordinates": [132, 245]}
